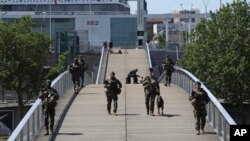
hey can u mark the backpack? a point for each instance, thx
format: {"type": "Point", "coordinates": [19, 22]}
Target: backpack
{"type": "Point", "coordinates": [148, 88]}
{"type": "Point", "coordinates": [167, 65]}
{"type": "Point", "coordinates": [113, 86]}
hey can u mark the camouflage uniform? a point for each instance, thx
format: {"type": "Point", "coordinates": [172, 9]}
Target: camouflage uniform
{"type": "Point", "coordinates": [83, 66]}
{"type": "Point", "coordinates": [168, 65]}
{"type": "Point", "coordinates": [148, 90]}
{"type": "Point", "coordinates": [75, 71]}
{"type": "Point", "coordinates": [112, 85]}
{"type": "Point", "coordinates": [49, 96]}
{"type": "Point", "coordinates": [155, 91]}
{"type": "Point", "coordinates": [199, 100]}
{"type": "Point", "coordinates": [133, 75]}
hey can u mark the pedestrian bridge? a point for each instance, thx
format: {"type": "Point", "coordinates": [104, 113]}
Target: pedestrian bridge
{"type": "Point", "coordinates": [84, 116]}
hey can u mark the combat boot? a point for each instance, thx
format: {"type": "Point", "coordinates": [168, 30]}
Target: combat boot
{"type": "Point", "coordinates": [166, 84]}
{"type": "Point", "coordinates": [46, 133]}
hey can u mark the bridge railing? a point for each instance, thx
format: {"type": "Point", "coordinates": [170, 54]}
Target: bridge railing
{"type": "Point", "coordinates": [148, 54]}
{"type": "Point", "coordinates": [101, 75]}
{"type": "Point", "coordinates": [217, 115]}
{"type": "Point", "coordinates": [32, 122]}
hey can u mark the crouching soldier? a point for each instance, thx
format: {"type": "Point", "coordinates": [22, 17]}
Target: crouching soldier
{"type": "Point", "coordinates": [132, 74]}
{"type": "Point", "coordinates": [113, 87]}
{"type": "Point", "coordinates": [49, 96]}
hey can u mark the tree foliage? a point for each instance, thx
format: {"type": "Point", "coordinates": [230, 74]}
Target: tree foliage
{"type": "Point", "coordinates": [150, 36]}
{"type": "Point", "coordinates": [161, 40]}
{"type": "Point", "coordinates": [219, 53]}
{"type": "Point", "coordinates": [23, 55]}
{"type": "Point", "coordinates": [59, 67]}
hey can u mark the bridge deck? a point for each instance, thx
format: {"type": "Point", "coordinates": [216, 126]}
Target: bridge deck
{"type": "Point", "coordinates": [87, 118]}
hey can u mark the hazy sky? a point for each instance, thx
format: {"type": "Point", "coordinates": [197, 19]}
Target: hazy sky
{"type": "Point", "coordinates": [167, 6]}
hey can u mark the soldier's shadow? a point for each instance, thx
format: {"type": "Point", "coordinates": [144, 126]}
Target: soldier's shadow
{"type": "Point", "coordinates": [128, 114]}
{"type": "Point", "coordinates": [170, 115]}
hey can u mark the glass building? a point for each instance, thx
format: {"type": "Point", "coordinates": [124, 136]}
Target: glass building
{"type": "Point", "coordinates": [93, 21]}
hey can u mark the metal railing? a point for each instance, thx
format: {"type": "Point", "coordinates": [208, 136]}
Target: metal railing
{"type": "Point", "coordinates": [149, 57]}
{"type": "Point", "coordinates": [101, 75]}
{"type": "Point", "coordinates": [32, 122]}
{"type": "Point", "coordinates": [218, 117]}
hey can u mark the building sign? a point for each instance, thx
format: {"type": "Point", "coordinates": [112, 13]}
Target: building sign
{"type": "Point", "coordinates": [93, 22]}
{"type": "Point", "coordinates": [6, 121]}
{"type": "Point", "coordinates": [140, 33]}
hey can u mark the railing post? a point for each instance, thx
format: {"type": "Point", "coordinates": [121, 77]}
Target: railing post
{"type": "Point", "coordinates": [33, 125]}
{"type": "Point", "coordinates": [219, 125]}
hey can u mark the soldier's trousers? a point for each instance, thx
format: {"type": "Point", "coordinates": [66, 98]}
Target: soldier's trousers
{"type": "Point", "coordinates": [82, 78]}
{"type": "Point", "coordinates": [147, 100]}
{"type": "Point", "coordinates": [200, 118]}
{"type": "Point", "coordinates": [109, 100]}
{"type": "Point", "coordinates": [168, 76]}
{"type": "Point", "coordinates": [49, 120]}
{"type": "Point", "coordinates": [76, 81]}
{"type": "Point", "coordinates": [152, 103]}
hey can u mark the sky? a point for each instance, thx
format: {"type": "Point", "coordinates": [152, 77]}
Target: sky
{"type": "Point", "coordinates": [167, 6]}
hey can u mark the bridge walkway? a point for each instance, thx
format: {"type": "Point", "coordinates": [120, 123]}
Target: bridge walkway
{"type": "Point", "coordinates": [87, 118]}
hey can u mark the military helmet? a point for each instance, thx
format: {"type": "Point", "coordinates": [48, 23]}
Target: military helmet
{"type": "Point", "coordinates": [48, 82]}
{"type": "Point", "coordinates": [112, 73]}
{"type": "Point", "coordinates": [198, 83]}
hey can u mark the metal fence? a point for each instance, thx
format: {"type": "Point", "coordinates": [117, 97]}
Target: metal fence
{"type": "Point", "coordinates": [217, 115]}
{"type": "Point", "coordinates": [101, 75]}
{"type": "Point", "coordinates": [32, 122]}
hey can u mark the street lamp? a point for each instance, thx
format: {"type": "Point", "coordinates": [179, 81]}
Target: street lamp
{"type": "Point", "coordinates": [205, 4]}
{"type": "Point", "coordinates": [1, 14]}
{"type": "Point", "coordinates": [43, 13]}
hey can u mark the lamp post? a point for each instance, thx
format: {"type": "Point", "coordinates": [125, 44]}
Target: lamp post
{"type": "Point", "coordinates": [90, 24]}
{"type": "Point", "coordinates": [50, 34]}
{"type": "Point", "coordinates": [205, 4]}
{"type": "Point", "coordinates": [166, 34]}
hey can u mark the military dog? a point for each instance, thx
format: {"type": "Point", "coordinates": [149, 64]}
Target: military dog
{"type": "Point", "coordinates": [160, 105]}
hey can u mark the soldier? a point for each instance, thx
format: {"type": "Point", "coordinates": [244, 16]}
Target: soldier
{"type": "Point", "coordinates": [155, 92]}
{"type": "Point", "coordinates": [49, 96]}
{"type": "Point", "coordinates": [134, 75]}
{"type": "Point", "coordinates": [83, 66]}
{"type": "Point", "coordinates": [75, 71]}
{"type": "Point", "coordinates": [168, 66]}
{"type": "Point", "coordinates": [199, 99]}
{"type": "Point", "coordinates": [113, 86]}
{"type": "Point", "coordinates": [148, 90]}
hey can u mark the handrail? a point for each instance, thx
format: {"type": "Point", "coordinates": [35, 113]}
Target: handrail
{"type": "Point", "coordinates": [149, 57]}
{"type": "Point", "coordinates": [101, 76]}
{"type": "Point", "coordinates": [217, 115]}
{"type": "Point", "coordinates": [25, 119]}
{"type": "Point", "coordinates": [100, 66]}
{"type": "Point", "coordinates": [32, 122]}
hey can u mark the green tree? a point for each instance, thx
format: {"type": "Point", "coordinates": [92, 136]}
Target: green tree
{"type": "Point", "coordinates": [161, 40]}
{"type": "Point", "coordinates": [59, 67]}
{"type": "Point", "coordinates": [150, 36]}
{"type": "Point", "coordinates": [23, 54]}
{"type": "Point", "coordinates": [219, 53]}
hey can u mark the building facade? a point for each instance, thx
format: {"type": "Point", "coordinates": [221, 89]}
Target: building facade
{"type": "Point", "coordinates": [93, 21]}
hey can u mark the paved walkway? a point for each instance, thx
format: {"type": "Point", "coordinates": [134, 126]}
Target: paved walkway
{"type": "Point", "coordinates": [87, 118]}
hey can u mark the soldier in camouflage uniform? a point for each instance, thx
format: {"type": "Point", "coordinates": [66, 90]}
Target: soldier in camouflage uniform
{"type": "Point", "coordinates": [75, 71]}
{"type": "Point", "coordinates": [83, 66]}
{"type": "Point", "coordinates": [113, 87]}
{"type": "Point", "coordinates": [148, 90]}
{"type": "Point", "coordinates": [168, 66]}
{"type": "Point", "coordinates": [199, 99]}
{"type": "Point", "coordinates": [155, 92]}
{"type": "Point", "coordinates": [49, 96]}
